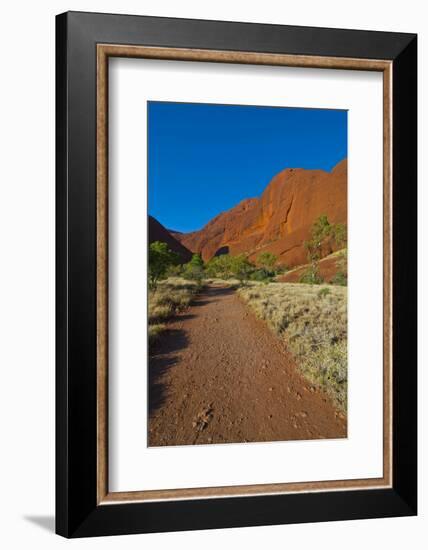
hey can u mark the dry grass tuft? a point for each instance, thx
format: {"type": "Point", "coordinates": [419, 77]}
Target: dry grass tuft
{"type": "Point", "coordinates": [155, 331]}
{"type": "Point", "coordinates": [313, 323]}
{"type": "Point", "coordinates": [171, 296]}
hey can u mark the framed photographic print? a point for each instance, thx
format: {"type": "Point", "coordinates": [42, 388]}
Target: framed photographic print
{"type": "Point", "coordinates": [236, 274]}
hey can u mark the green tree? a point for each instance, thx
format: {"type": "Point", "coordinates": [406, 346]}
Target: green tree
{"type": "Point", "coordinates": [226, 267]}
{"type": "Point", "coordinates": [323, 236]}
{"type": "Point", "coordinates": [320, 232]}
{"type": "Point", "coordinates": [321, 227]}
{"type": "Point", "coordinates": [262, 275]}
{"type": "Point", "coordinates": [160, 259]}
{"type": "Point", "coordinates": [267, 260]}
{"type": "Point", "coordinates": [220, 266]}
{"type": "Point", "coordinates": [197, 260]}
{"type": "Point", "coordinates": [241, 267]}
{"type": "Point", "coordinates": [340, 234]}
{"type": "Point", "coordinates": [194, 270]}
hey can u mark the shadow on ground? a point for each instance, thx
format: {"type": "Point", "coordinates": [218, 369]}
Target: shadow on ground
{"type": "Point", "coordinates": [162, 353]}
{"type": "Point", "coordinates": [213, 292]}
{"type": "Point", "coordinates": [160, 361]}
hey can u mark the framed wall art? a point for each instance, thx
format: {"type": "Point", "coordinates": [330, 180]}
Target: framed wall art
{"type": "Point", "coordinates": [236, 274]}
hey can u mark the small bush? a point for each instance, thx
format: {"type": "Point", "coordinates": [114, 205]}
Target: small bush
{"type": "Point", "coordinates": [159, 311]}
{"type": "Point", "coordinates": [169, 298]}
{"type": "Point", "coordinates": [324, 236]}
{"type": "Point", "coordinates": [227, 267]}
{"type": "Point", "coordinates": [155, 331]}
{"type": "Point", "coordinates": [174, 271]}
{"type": "Point", "coordinates": [193, 272]}
{"type": "Point", "coordinates": [262, 275]}
{"type": "Point", "coordinates": [340, 235]}
{"type": "Point", "coordinates": [311, 276]}
{"type": "Point", "coordinates": [323, 292]}
{"type": "Point", "coordinates": [281, 269]}
{"type": "Point", "coordinates": [267, 260]}
{"type": "Point", "coordinates": [340, 279]}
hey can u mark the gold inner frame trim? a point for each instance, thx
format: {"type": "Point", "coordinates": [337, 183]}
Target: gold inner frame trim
{"type": "Point", "coordinates": [104, 51]}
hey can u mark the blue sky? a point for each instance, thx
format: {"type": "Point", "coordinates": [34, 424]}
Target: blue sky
{"type": "Point", "coordinates": [203, 159]}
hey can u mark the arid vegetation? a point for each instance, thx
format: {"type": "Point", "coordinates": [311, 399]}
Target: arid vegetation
{"type": "Point", "coordinates": [313, 323]}
{"type": "Point", "coordinates": [247, 275]}
{"type": "Point", "coordinates": [310, 315]}
{"type": "Point", "coordinates": [163, 263]}
{"type": "Point", "coordinates": [324, 240]}
{"type": "Point", "coordinates": [161, 258]}
{"type": "Point", "coordinates": [168, 298]}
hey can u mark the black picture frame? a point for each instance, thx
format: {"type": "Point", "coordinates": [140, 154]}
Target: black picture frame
{"type": "Point", "coordinates": [77, 512]}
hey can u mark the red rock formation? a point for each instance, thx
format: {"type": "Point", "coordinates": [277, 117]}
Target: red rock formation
{"type": "Point", "coordinates": [280, 220]}
{"type": "Point", "coordinates": [157, 232]}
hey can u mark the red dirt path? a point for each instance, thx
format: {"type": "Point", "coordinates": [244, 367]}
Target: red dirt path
{"type": "Point", "coordinates": [218, 375]}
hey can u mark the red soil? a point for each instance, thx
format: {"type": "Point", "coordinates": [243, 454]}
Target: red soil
{"type": "Point", "coordinates": [219, 375]}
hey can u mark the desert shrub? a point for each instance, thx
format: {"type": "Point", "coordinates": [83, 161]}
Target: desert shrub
{"type": "Point", "coordinates": [227, 267]}
{"type": "Point", "coordinates": [193, 273]}
{"type": "Point", "coordinates": [267, 260]}
{"type": "Point", "coordinates": [340, 279]}
{"type": "Point", "coordinates": [219, 267]}
{"type": "Point", "coordinates": [324, 235]}
{"type": "Point", "coordinates": [169, 298]}
{"type": "Point", "coordinates": [281, 269]}
{"type": "Point", "coordinates": [314, 329]}
{"type": "Point", "coordinates": [160, 311]}
{"type": "Point", "coordinates": [326, 367]}
{"type": "Point", "coordinates": [339, 233]}
{"type": "Point", "coordinates": [325, 291]}
{"type": "Point", "coordinates": [155, 331]}
{"type": "Point", "coordinates": [320, 233]}
{"type": "Point", "coordinates": [174, 271]}
{"type": "Point", "coordinates": [311, 275]}
{"type": "Point", "coordinates": [242, 268]}
{"type": "Point", "coordinates": [262, 275]}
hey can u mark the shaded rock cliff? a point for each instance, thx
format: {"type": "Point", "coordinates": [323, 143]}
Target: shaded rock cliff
{"type": "Point", "coordinates": [157, 232]}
